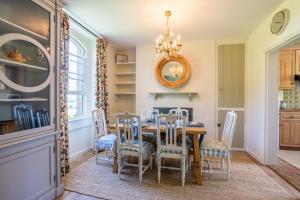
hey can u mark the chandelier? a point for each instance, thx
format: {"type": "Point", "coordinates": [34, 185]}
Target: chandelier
{"type": "Point", "coordinates": [166, 44]}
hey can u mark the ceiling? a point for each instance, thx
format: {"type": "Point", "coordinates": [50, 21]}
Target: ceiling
{"type": "Point", "coordinates": [127, 23]}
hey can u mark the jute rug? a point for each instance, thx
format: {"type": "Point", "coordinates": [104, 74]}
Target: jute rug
{"type": "Point", "coordinates": [287, 171]}
{"type": "Point", "coordinates": [248, 182]}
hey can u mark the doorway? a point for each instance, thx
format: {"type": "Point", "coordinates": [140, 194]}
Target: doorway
{"type": "Point", "coordinates": [231, 89]}
{"type": "Point", "coordinates": [282, 105]}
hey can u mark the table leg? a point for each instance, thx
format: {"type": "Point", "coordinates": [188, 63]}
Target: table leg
{"type": "Point", "coordinates": [197, 157]}
{"type": "Point", "coordinates": [115, 162]}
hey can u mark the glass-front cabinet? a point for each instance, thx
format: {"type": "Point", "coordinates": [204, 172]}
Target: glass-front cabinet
{"type": "Point", "coordinates": [26, 68]}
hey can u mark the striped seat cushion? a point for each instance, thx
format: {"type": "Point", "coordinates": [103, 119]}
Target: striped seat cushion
{"type": "Point", "coordinates": [214, 149]}
{"type": "Point", "coordinates": [147, 149]}
{"type": "Point", "coordinates": [108, 141]}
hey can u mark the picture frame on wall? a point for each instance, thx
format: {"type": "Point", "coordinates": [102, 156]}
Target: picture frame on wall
{"type": "Point", "coordinates": [121, 58]}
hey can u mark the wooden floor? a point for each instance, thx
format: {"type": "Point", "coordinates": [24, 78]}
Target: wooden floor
{"type": "Point", "coordinates": [68, 195]}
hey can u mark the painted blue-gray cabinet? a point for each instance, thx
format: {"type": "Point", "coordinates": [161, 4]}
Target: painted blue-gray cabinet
{"type": "Point", "coordinates": [29, 152]}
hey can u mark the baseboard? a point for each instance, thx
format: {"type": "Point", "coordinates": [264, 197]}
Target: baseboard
{"type": "Point", "coordinates": [59, 190]}
{"type": "Point", "coordinates": [238, 149]}
{"type": "Point", "coordinates": [255, 156]}
{"type": "Point", "coordinates": [79, 153]}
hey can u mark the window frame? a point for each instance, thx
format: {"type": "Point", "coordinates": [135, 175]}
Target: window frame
{"type": "Point", "coordinates": [83, 92]}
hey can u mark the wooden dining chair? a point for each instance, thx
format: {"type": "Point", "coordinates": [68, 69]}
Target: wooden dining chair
{"type": "Point", "coordinates": [128, 125]}
{"type": "Point", "coordinates": [220, 149]}
{"type": "Point", "coordinates": [102, 139]}
{"type": "Point", "coordinates": [172, 146]}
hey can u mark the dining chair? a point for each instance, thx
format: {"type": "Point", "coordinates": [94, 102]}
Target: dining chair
{"type": "Point", "coordinates": [220, 149]}
{"type": "Point", "coordinates": [102, 139]}
{"type": "Point", "coordinates": [127, 126]}
{"type": "Point", "coordinates": [149, 115]}
{"type": "Point", "coordinates": [180, 111]}
{"type": "Point", "coordinates": [42, 118]}
{"type": "Point", "coordinates": [24, 116]}
{"type": "Point", "coordinates": [172, 146]}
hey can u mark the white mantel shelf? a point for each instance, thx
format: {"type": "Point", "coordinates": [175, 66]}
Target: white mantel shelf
{"type": "Point", "coordinates": [188, 94]}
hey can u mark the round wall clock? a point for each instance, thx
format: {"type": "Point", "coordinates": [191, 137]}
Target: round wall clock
{"type": "Point", "coordinates": [280, 21]}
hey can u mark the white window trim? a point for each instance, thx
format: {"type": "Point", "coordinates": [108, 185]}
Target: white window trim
{"type": "Point", "coordinates": [83, 92]}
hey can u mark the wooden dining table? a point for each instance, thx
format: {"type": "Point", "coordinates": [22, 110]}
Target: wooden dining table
{"type": "Point", "coordinates": [196, 132]}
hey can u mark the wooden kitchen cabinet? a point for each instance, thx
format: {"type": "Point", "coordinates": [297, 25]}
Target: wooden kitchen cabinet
{"type": "Point", "coordinates": [297, 66]}
{"type": "Point", "coordinates": [285, 133]}
{"type": "Point", "coordinates": [289, 129]}
{"type": "Point", "coordinates": [287, 60]}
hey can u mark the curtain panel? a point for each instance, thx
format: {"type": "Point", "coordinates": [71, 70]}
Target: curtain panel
{"type": "Point", "coordinates": [63, 89]}
{"type": "Point", "coordinates": [101, 78]}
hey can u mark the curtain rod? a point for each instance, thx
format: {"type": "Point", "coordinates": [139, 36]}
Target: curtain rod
{"type": "Point", "coordinates": [88, 30]}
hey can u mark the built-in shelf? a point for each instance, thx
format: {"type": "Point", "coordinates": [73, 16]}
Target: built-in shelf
{"type": "Point", "coordinates": [23, 100]}
{"type": "Point", "coordinates": [10, 27]}
{"type": "Point", "coordinates": [188, 94]}
{"type": "Point", "coordinates": [125, 83]}
{"type": "Point", "coordinates": [18, 64]}
{"type": "Point", "coordinates": [125, 93]}
{"type": "Point", "coordinates": [128, 63]}
{"type": "Point", "coordinates": [125, 73]}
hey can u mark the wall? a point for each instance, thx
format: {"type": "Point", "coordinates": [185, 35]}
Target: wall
{"type": "Point", "coordinates": [259, 42]}
{"type": "Point", "coordinates": [81, 130]}
{"type": "Point", "coordinates": [201, 55]}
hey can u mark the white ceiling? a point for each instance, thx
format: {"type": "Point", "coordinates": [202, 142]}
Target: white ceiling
{"type": "Point", "coordinates": [128, 23]}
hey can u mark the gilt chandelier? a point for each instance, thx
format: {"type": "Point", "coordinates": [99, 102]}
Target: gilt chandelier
{"type": "Point", "coordinates": [166, 44]}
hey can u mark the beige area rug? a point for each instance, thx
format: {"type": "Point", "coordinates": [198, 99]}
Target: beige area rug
{"type": "Point", "coordinates": [248, 182]}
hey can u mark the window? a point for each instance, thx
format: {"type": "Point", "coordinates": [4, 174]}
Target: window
{"type": "Point", "coordinates": [77, 93]}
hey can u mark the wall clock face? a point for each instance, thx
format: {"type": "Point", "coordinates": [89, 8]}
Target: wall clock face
{"type": "Point", "coordinates": [280, 21]}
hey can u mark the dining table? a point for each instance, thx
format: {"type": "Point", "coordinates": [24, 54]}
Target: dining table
{"type": "Point", "coordinates": [197, 134]}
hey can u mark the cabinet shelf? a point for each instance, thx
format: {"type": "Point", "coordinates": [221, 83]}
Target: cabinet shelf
{"type": "Point", "coordinates": [23, 100]}
{"type": "Point", "coordinates": [128, 63]}
{"type": "Point", "coordinates": [124, 93]}
{"type": "Point", "coordinates": [125, 73]}
{"type": "Point", "coordinates": [18, 64]}
{"type": "Point", "coordinates": [14, 28]}
{"type": "Point", "coordinates": [125, 83]}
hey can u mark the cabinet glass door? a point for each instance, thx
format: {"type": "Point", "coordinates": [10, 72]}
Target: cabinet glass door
{"type": "Point", "coordinates": [25, 68]}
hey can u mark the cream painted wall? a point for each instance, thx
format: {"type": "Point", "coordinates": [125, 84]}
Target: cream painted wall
{"type": "Point", "coordinates": [202, 57]}
{"type": "Point", "coordinates": [259, 42]}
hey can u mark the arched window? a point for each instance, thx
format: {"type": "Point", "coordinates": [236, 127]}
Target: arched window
{"type": "Point", "coordinates": [77, 93]}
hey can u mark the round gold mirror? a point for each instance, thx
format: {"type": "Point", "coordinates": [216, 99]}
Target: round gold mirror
{"type": "Point", "coordinates": [173, 72]}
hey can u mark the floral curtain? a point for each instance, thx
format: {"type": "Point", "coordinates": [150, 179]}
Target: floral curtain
{"type": "Point", "coordinates": [63, 89]}
{"type": "Point", "coordinates": [101, 78]}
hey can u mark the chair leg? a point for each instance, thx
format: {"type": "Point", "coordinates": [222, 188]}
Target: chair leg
{"type": "Point", "coordinates": [141, 167]}
{"type": "Point", "coordinates": [183, 170]}
{"type": "Point", "coordinates": [228, 168]}
{"type": "Point", "coordinates": [119, 164]}
{"type": "Point", "coordinates": [158, 168]}
{"type": "Point", "coordinates": [151, 161]}
{"type": "Point", "coordinates": [222, 163]}
{"type": "Point", "coordinates": [96, 151]}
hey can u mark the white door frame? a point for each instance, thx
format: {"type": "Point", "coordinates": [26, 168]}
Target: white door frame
{"type": "Point", "coordinates": [271, 101]}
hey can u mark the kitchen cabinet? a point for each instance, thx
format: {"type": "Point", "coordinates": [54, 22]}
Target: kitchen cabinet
{"type": "Point", "coordinates": [287, 70]}
{"type": "Point", "coordinates": [289, 129]}
{"type": "Point", "coordinates": [297, 67]}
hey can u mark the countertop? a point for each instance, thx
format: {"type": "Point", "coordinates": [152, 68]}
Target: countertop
{"type": "Point", "coordinates": [290, 110]}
